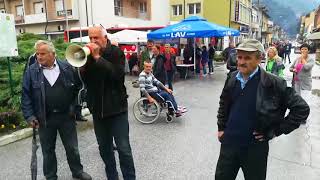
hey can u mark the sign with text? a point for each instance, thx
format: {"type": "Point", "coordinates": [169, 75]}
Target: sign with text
{"type": "Point", "coordinates": [8, 38]}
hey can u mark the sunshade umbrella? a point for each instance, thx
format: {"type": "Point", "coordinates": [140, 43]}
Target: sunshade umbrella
{"type": "Point", "coordinates": [33, 165]}
{"type": "Point", "coordinates": [193, 27]}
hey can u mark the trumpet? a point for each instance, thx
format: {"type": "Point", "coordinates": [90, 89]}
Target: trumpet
{"type": "Point", "coordinates": [77, 55]}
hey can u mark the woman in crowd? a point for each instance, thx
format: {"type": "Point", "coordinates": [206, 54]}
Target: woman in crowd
{"type": "Point", "coordinates": [302, 69]}
{"type": "Point", "coordinates": [274, 63]}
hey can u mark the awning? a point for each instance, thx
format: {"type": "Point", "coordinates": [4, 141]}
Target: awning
{"type": "Point", "coordinates": [313, 36]}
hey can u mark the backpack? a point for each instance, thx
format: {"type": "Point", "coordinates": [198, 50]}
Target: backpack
{"type": "Point", "coordinates": [233, 57]}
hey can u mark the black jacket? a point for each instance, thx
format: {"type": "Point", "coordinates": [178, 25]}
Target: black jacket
{"type": "Point", "coordinates": [33, 90]}
{"type": "Point", "coordinates": [158, 69]}
{"type": "Point", "coordinates": [273, 99]}
{"type": "Point", "coordinates": [104, 79]}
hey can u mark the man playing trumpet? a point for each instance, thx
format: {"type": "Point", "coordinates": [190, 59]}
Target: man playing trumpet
{"type": "Point", "coordinates": [104, 77]}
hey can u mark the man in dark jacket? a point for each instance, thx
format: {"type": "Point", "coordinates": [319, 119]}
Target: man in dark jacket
{"type": "Point", "coordinates": [158, 67]}
{"type": "Point", "coordinates": [48, 95]}
{"type": "Point", "coordinates": [104, 77]}
{"type": "Point", "coordinates": [252, 111]}
{"type": "Point", "coordinates": [212, 52]}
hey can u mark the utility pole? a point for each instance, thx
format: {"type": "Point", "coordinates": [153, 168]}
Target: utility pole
{"type": "Point", "coordinates": [184, 9]}
{"type": "Point", "coordinates": [230, 2]}
{"type": "Point", "coordinates": [66, 18]}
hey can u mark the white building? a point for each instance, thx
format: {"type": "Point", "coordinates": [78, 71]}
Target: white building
{"type": "Point", "coordinates": [49, 16]}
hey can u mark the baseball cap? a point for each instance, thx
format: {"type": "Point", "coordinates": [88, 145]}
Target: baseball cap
{"type": "Point", "coordinates": [251, 45]}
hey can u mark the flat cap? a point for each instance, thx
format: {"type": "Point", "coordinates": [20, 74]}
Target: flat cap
{"type": "Point", "coordinates": [251, 45]}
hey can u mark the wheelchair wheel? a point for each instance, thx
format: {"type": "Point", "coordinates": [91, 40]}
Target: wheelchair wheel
{"type": "Point", "coordinates": [146, 112]}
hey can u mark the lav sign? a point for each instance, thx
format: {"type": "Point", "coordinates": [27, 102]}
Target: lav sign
{"type": "Point", "coordinates": [178, 34]}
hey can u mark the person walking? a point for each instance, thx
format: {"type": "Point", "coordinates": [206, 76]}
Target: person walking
{"type": "Point", "coordinates": [274, 63]}
{"type": "Point", "coordinates": [104, 77]}
{"type": "Point", "coordinates": [169, 65]}
{"type": "Point", "coordinates": [204, 60]}
{"type": "Point", "coordinates": [287, 52]}
{"type": "Point", "coordinates": [48, 94]}
{"type": "Point", "coordinates": [212, 52]}
{"type": "Point", "coordinates": [252, 110]}
{"type": "Point", "coordinates": [302, 69]}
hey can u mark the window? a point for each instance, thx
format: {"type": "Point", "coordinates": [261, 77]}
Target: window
{"type": "Point", "coordinates": [59, 5]}
{"type": "Point", "coordinates": [118, 7]}
{"type": "Point", "coordinates": [143, 7]}
{"type": "Point", "coordinates": [19, 10]}
{"type": "Point", "coordinates": [177, 10]}
{"type": "Point", "coordinates": [194, 8]}
{"type": "Point", "coordinates": [38, 8]}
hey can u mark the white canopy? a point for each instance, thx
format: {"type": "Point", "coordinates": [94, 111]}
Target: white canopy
{"type": "Point", "coordinates": [130, 36]}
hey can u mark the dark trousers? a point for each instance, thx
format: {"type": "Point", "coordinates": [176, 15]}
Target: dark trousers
{"type": "Point", "coordinates": [59, 122]}
{"type": "Point", "coordinates": [170, 79]}
{"type": "Point", "coordinates": [210, 64]}
{"type": "Point", "coordinates": [287, 54]}
{"type": "Point", "coordinates": [117, 128]}
{"type": "Point", "coordinates": [252, 160]}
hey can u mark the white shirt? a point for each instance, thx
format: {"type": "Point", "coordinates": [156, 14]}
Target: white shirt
{"type": "Point", "coordinates": [52, 73]}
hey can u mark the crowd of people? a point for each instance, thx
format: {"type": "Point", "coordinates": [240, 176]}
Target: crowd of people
{"type": "Point", "coordinates": [247, 118]}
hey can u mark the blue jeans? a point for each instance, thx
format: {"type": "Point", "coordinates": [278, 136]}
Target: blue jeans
{"type": "Point", "coordinates": [117, 128]}
{"type": "Point", "coordinates": [170, 78]}
{"type": "Point", "coordinates": [204, 67]}
{"type": "Point", "coordinates": [161, 96]}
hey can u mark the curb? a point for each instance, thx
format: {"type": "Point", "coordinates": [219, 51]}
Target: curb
{"type": "Point", "coordinates": [27, 132]}
{"type": "Point", "coordinates": [15, 136]}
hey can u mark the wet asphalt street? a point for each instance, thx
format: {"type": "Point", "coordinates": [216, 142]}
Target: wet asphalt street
{"type": "Point", "coordinates": [187, 148]}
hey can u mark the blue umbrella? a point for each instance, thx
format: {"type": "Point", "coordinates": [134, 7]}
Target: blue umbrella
{"type": "Point", "coordinates": [193, 27]}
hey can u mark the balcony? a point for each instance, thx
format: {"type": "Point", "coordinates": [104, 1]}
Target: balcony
{"type": "Point", "coordinates": [35, 18]}
{"type": "Point", "coordinates": [19, 19]}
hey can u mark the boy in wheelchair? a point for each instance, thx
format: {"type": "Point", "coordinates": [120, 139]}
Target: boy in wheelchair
{"type": "Point", "coordinates": [154, 90]}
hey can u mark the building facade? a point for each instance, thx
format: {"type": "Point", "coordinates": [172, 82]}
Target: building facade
{"type": "Point", "coordinates": [215, 11]}
{"type": "Point", "coordinates": [241, 12]}
{"type": "Point", "coordinates": [52, 17]}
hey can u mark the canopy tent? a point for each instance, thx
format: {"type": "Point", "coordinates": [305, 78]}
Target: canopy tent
{"type": "Point", "coordinates": [193, 27]}
{"type": "Point", "coordinates": [130, 36]}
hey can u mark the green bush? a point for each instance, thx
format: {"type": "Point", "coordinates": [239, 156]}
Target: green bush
{"type": "Point", "coordinates": [218, 57]}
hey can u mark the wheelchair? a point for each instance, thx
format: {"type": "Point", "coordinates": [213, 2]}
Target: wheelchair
{"type": "Point", "coordinates": [147, 113]}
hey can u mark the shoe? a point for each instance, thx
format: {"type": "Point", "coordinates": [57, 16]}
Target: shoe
{"type": "Point", "coordinates": [178, 114]}
{"type": "Point", "coordinates": [182, 109]}
{"type": "Point", "coordinates": [211, 73]}
{"type": "Point", "coordinates": [82, 176]}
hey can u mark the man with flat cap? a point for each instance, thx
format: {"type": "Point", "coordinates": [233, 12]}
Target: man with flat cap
{"type": "Point", "coordinates": [252, 110]}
